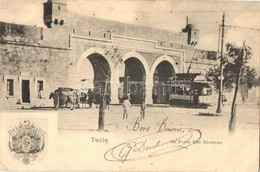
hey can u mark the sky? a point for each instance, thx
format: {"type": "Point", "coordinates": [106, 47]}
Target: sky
{"type": "Point", "coordinates": [163, 14]}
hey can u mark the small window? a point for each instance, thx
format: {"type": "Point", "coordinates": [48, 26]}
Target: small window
{"type": "Point", "coordinates": [104, 35]}
{"type": "Point", "coordinates": [194, 33]}
{"type": "Point", "coordinates": [61, 22]}
{"type": "Point", "coordinates": [58, 7]}
{"type": "Point", "coordinates": [39, 86]}
{"type": "Point", "coordinates": [74, 30]}
{"type": "Point", "coordinates": [10, 87]}
{"type": "Point", "coordinates": [56, 21]}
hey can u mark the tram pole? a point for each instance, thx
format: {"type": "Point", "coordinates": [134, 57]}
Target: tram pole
{"type": "Point", "coordinates": [219, 108]}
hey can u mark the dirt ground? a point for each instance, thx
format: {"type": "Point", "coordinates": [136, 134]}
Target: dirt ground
{"type": "Point", "coordinates": [126, 145]}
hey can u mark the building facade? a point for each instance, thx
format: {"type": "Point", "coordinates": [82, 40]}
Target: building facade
{"type": "Point", "coordinates": [84, 52]}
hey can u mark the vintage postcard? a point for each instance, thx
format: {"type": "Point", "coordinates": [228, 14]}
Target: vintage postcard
{"type": "Point", "coordinates": [133, 85]}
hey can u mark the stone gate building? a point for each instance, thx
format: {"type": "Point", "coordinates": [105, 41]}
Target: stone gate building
{"type": "Point", "coordinates": [82, 52]}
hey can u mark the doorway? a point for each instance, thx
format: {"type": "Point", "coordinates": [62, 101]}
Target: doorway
{"type": "Point", "coordinates": [26, 91]}
{"type": "Point", "coordinates": [134, 82]}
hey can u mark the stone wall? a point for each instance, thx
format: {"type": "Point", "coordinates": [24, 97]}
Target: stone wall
{"type": "Point", "coordinates": [83, 25]}
{"type": "Point", "coordinates": [33, 63]}
{"type": "Point", "coordinates": [54, 55]}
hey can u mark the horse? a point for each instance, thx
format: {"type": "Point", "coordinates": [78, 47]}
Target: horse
{"type": "Point", "coordinates": [55, 97]}
{"type": "Point", "coordinates": [64, 99]}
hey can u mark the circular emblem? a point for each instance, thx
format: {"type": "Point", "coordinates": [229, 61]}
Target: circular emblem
{"type": "Point", "coordinates": [26, 141]}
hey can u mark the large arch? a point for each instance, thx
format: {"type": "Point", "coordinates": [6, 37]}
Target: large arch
{"type": "Point", "coordinates": [101, 66]}
{"type": "Point", "coordinates": [162, 69]}
{"type": "Point", "coordinates": [90, 51]}
{"type": "Point", "coordinates": [159, 60]}
{"type": "Point", "coordinates": [137, 72]}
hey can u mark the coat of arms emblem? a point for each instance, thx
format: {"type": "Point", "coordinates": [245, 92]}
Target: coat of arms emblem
{"type": "Point", "coordinates": [26, 141]}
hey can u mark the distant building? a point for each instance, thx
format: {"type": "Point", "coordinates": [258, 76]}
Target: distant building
{"type": "Point", "coordinates": [72, 48]}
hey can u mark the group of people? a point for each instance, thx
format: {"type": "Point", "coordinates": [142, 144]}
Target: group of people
{"type": "Point", "coordinates": [126, 105]}
{"type": "Point", "coordinates": [96, 99]}
{"type": "Point", "coordinates": [91, 98]}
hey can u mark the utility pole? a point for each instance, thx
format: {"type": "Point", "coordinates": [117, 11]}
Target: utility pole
{"type": "Point", "coordinates": [219, 109]}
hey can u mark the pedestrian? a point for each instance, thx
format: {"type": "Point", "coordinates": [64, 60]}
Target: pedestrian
{"type": "Point", "coordinates": [224, 99]}
{"type": "Point", "coordinates": [41, 96]}
{"type": "Point", "coordinates": [108, 100]}
{"type": "Point", "coordinates": [243, 99]}
{"type": "Point", "coordinates": [142, 112]}
{"type": "Point", "coordinates": [126, 105]}
{"type": "Point", "coordinates": [129, 97]}
{"type": "Point", "coordinates": [90, 98]}
{"type": "Point", "coordinates": [97, 98]}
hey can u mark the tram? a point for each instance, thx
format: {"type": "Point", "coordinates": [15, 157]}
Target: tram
{"type": "Point", "coordinates": [190, 89]}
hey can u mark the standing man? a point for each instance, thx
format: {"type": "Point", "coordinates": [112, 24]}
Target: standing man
{"type": "Point", "coordinates": [142, 112]}
{"type": "Point", "coordinates": [108, 100]}
{"type": "Point", "coordinates": [126, 105]}
{"type": "Point", "coordinates": [41, 96]}
{"type": "Point", "coordinates": [90, 98]}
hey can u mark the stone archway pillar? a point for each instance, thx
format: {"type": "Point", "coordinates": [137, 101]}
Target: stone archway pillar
{"type": "Point", "coordinates": [114, 82]}
{"type": "Point", "coordinates": [149, 92]}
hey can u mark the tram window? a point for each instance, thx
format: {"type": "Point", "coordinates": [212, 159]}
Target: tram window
{"type": "Point", "coordinates": [173, 90]}
{"type": "Point", "coordinates": [179, 91]}
{"type": "Point", "coordinates": [204, 91]}
{"type": "Point", "coordinates": [187, 90]}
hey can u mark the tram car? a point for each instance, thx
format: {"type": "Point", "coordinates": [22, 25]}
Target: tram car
{"type": "Point", "coordinates": [190, 90]}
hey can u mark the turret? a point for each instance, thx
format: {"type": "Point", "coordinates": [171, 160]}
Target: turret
{"type": "Point", "coordinates": [54, 13]}
{"type": "Point", "coordinates": [193, 33]}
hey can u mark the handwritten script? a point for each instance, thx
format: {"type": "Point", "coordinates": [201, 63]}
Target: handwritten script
{"type": "Point", "coordinates": [154, 144]}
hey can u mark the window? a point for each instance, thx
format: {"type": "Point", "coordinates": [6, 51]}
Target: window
{"type": "Point", "coordinates": [212, 55]}
{"type": "Point", "coordinates": [56, 21]}
{"type": "Point", "coordinates": [58, 7]}
{"type": "Point", "coordinates": [10, 87]}
{"type": "Point", "coordinates": [39, 86]}
{"type": "Point", "coordinates": [61, 22]}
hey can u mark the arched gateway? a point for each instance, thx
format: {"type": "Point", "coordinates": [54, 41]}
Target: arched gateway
{"type": "Point", "coordinates": [135, 77]}
{"type": "Point", "coordinates": [94, 67]}
{"type": "Point", "coordinates": [163, 69]}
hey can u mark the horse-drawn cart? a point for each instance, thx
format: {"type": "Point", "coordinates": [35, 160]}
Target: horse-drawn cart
{"type": "Point", "coordinates": [65, 97]}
